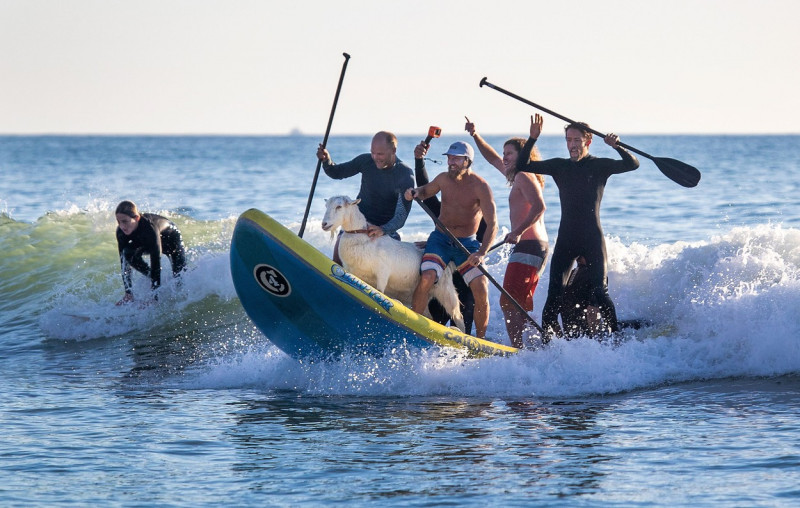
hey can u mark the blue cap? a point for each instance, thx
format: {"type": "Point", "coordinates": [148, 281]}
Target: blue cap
{"type": "Point", "coordinates": [460, 148]}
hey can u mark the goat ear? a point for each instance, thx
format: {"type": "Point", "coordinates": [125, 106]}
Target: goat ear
{"type": "Point", "coordinates": [357, 201]}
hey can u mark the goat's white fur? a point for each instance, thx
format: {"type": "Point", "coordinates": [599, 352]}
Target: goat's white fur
{"type": "Point", "coordinates": [391, 266]}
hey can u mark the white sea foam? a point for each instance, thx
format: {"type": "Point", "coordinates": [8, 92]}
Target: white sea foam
{"type": "Point", "coordinates": [722, 308]}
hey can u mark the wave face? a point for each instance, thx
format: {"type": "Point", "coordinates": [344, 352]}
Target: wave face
{"type": "Point", "coordinates": [724, 307]}
{"type": "Point", "coordinates": [715, 267]}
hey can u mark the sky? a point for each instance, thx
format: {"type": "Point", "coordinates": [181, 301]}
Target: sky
{"type": "Point", "coordinates": [271, 67]}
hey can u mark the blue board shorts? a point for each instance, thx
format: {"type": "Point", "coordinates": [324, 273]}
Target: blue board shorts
{"type": "Point", "coordinates": [439, 251]}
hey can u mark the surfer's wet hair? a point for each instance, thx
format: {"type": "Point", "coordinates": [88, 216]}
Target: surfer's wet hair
{"type": "Point", "coordinates": [517, 144]}
{"type": "Point", "coordinates": [128, 208]}
{"type": "Point", "coordinates": [581, 126]}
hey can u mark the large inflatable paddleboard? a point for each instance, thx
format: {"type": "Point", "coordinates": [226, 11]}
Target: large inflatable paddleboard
{"type": "Point", "coordinates": [310, 307]}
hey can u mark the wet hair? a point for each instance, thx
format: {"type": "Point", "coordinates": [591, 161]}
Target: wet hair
{"type": "Point", "coordinates": [387, 137]}
{"type": "Point", "coordinates": [518, 143]}
{"type": "Point", "coordinates": [582, 127]}
{"type": "Point", "coordinates": [128, 208]}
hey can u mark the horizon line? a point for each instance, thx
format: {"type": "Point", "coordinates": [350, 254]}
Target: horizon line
{"type": "Point", "coordinates": [305, 134]}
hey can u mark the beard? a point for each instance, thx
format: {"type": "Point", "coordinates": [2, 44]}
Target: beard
{"type": "Point", "coordinates": [455, 172]}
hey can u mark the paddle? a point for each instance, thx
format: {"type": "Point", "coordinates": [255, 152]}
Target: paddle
{"type": "Point", "coordinates": [324, 143]}
{"type": "Point", "coordinates": [455, 241]}
{"type": "Point", "coordinates": [677, 171]}
{"type": "Point", "coordinates": [497, 245]}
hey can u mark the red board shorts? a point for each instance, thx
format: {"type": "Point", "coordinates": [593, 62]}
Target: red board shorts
{"type": "Point", "coordinates": [522, 273]}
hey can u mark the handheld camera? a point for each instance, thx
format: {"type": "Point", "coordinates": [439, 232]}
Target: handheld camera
{"type": "Point", "coordinates": [433, 132]}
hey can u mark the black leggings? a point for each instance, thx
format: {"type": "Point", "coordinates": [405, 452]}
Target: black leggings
{"type": "Point", "coordinates": [566, 251]}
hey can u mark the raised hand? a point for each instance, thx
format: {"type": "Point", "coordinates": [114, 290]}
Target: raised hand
{"type": "Point", "coordinates": [537, 122]}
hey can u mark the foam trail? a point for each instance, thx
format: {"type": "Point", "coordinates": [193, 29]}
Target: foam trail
{"type": "Point", "coordinates": [723, 308]}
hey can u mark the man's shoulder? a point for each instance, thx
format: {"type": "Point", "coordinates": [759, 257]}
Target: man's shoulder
{"type": "Point", "coordinates": [525, 179]}
{"type": "Point", "coordinates": [403, 168]}
{"type": "Point", "coordinates": [363, 159]}
{"type": "Point", "coordinates": [474, 178]}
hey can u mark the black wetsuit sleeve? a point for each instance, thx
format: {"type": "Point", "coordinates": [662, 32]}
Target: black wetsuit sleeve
{"type": "Point", "coordinates": [345, 169]}
{"type": "Point", "coordinates": [151, 240]}
{"type": "Point", "coordinates": [421, 177]}
{"type": "Point", "coordinates": [155, 264]}
{"type": "Point", "coordinates": [124, 265]}
{"type": "Point", "coordinates": [628, 163]}
{"type": "Point", "coordinates": [401, 211]}
{"type": "Point", "coordinates": [539, 167]}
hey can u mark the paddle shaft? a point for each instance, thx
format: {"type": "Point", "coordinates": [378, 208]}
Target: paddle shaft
{"type": "Point", "coordinates": [677, 171]}
{"type": "Point", "coordinates": [324, 144]}
{"type": "Point", "coordinates": [496, 246]}
{"type": "Point", "coordinates": [562, 117]}
{"type": "Point", "coordinates": [460, 245]}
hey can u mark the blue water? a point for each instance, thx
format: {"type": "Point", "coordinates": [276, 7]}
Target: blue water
{"type": "Point", "coordinates": [185, 403]}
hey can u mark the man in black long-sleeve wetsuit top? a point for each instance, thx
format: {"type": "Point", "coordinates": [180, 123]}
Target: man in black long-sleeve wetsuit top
{"type": "Point", "coordinates": [581, 180]}
{"type": "Point", "coordinates": [384, 178]}
{"type": "Point", "coordinates": [147, 233]}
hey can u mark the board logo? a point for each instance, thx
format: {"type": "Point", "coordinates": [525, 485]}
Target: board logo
{"type": "Point", "coordinates": [273, 281]}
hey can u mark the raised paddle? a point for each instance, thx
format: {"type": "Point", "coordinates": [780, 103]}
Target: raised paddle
{"type": "Point", "coordinates": [456, 242]}
{"type": "Point", "coordinates": [324, 143]}
{"type": "Point", "coordinates": [677, 171]}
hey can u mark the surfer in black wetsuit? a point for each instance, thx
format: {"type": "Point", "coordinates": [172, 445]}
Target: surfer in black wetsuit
{"type": "Point", "coordinates": [581, 180]}
{"type": "Point", "coordinates": [147, 233]}
{"type": "Point", "coordinates": [384, 178]}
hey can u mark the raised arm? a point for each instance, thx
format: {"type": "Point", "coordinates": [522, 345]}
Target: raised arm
{"type": "Point", "coordinates": [489, 153]}
{"type": "Point", "coordinates": [629, 161]}
{"type": "Point", "coordinates": [421, 176]}
{"type": "Point", "coordinates": [524, 163]}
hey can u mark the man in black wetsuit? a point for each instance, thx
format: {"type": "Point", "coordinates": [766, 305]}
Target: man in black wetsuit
{"type": "Point", "coordinates": [384, 178]}
{"type": "Point", "coordinates": [581, 180]}
{"type": "Point", "coordinates": [147, 233]}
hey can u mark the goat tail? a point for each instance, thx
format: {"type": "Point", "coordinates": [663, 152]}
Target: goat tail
{"type": "Point", "coordinates": [445, 292]}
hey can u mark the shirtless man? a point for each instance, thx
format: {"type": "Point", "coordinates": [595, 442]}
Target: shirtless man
{"type": "Point", "coordinates": [466, 198]}
{"type": "Point", "coordinates": [528, 233]}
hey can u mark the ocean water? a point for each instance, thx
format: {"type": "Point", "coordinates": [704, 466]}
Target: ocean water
{"type": "Point", "coordinates": [185, 403]}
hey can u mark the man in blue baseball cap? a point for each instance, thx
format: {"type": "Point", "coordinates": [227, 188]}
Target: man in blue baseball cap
{"type": "Point", "coordinates": [466, 198]}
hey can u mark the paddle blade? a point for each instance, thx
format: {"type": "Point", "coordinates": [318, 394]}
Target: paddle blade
{"type": "Point", "coordinates": [677, 171]}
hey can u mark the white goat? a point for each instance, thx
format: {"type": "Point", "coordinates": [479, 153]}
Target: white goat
{"type": "Point", "coordinates": [391, 266]}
